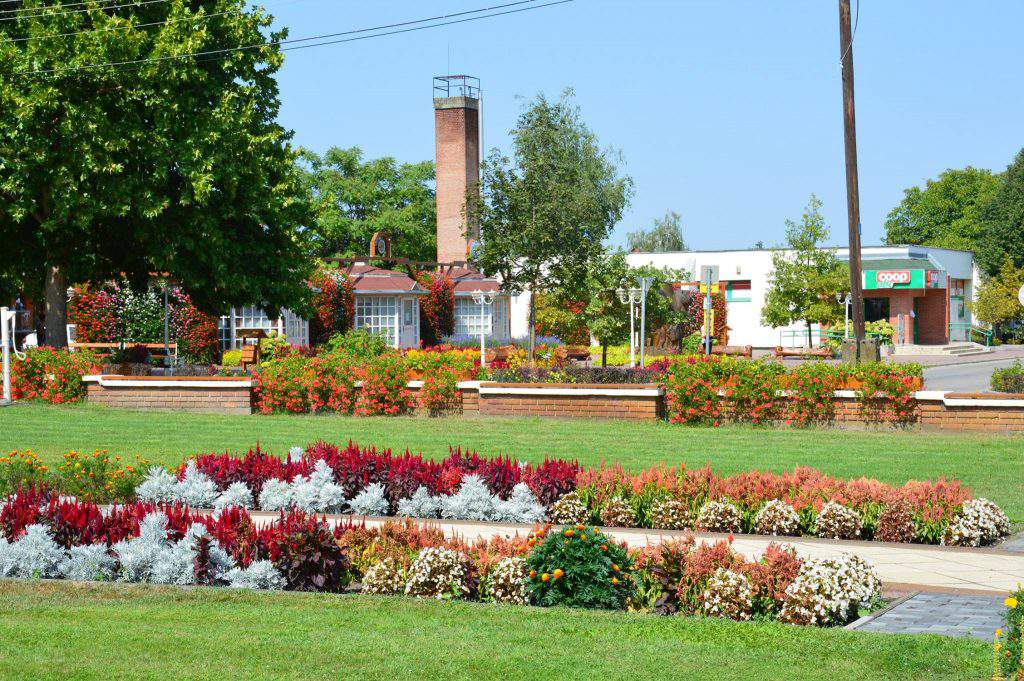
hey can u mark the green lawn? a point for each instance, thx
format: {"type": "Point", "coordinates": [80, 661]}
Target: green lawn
{"type": "Point", "coordinates": [74, 631]}
{"type": "Point", "coordinates": [990, 464]}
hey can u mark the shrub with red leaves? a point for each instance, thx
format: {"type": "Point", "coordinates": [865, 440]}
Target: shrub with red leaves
{"type": "Point", "coordinates": [500, 474]}
{"type": "Point", "coordinates": [437, 307]}
{"type": "Point", "coordinates": [253, 469]}
{"type": "Point", "coordinates": [551, 479]}
{"type": "Point", "coordinates": [75, 522]}
{"type": "Point", "coordinates": [21, 509]}
{"type": "Point", "coordinates": [235, 531]}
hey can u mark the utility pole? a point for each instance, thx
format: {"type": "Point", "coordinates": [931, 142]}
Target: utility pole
{"type": "Point", "coordinates": [852, 190]}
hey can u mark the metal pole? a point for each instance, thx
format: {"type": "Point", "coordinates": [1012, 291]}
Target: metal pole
{"type": "Point", "coordinates": [709, 328]}
{"type": "Point", "coordinates": [483, 350]}
{"type": "Point", "coordinates": [644, 283]}
{"type": "Point", "coordinates": [167, 332]}
{"type": "Point", "coordinates": [632, 333]}
{"type": "Point", "coordinates": [5, 338]}
{"type": "Point", "coordinates": [846, 325]}
{"type": "Point", "coordinates": [852, 188]}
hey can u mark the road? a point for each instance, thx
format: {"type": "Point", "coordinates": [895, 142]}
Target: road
{"type": "Point", "coordinates": [963, 377]}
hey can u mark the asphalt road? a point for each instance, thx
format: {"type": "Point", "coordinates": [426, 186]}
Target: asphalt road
{"type": "Point", "coordinates": [964, 377]}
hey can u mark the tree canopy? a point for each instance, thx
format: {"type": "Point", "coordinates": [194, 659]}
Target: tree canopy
{"type": "Point", "coordinates": [544, 213]}
{"type": "Point", "coordinates": [163, 163]}
{"type": "Point", "coordinates": [946, 213]}
{"type": "Point", "coordinates": [806, 278]}
{"type": "Point", "coordinates": [666, 235]}
{"type": "Point", "coordinates": [1003, 220]}
{"type": "Point", "coordinates": [355, 198]}
{"type": "Point", "coordinates": [997, 302]}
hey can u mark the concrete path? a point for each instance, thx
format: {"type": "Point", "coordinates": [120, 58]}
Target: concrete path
{"type": "Point", "coordinates": [945, 614]}
{"type": "Point", "coordinates": [907, 567]}
{"type": "Point", "coordinates": [965, 376]}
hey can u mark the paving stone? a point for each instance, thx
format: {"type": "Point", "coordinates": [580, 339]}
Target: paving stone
{"type": "Point", "coordinates": [943, 614]}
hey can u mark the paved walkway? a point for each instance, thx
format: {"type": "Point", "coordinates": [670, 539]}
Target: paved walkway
{"type": "Point", "coordinates": [907, 567]}
{"type": "Point", "coordinates": [945, 614]}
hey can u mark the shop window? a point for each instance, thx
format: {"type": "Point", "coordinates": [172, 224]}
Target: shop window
{"type": "Point", "coordinates": [876, 309]}
{"type": "Point", "coordinates": [738, 291]}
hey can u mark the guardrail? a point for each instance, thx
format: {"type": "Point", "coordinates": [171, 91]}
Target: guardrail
{"type": "Point", "coordinates": [972, 331]}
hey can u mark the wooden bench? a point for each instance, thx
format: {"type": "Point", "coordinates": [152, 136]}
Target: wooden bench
{"type": "Point", "coordinates": [250, 356]}
{"type": "Point", "coordinates": [780, 352]}
{"type": "Point", "coordinates": [109, 348]}
{"type": "Point", "coordinates": [734, 350]}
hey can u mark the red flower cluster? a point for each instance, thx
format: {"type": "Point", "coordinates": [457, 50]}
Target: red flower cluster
{"type": "Point", "coordinates": [334, 304]}
{"type": "Point", "coordinates": [385, 389]}
{"type": "Point", "coordinates": [54, 376]}
{"type": "Point", "coordinates": [94, 312]}
{"type": "Point", "coordinates": [437, 308]}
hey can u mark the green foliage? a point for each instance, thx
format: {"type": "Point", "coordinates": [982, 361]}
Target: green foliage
{"type": "Point", "coordinates": [1011, 656]}
{"type": "Point", "coordinates": [359, 344]}
{"type": "Point", "coordinates": [666, 235]}
{"type": "Point", "coordinates": [356, 198]}
{"type": "Point", "coordinates": [578, 567]}
{"type": "Point", "coordinates": [544, 214]}
{"type": "Point", "coordinates": [806, 278]}
{"type": "Point", "coordinates": [1003, 220]}
{"type": "Point", "coordinates": [946, 213]}
{"type": "Point", "coordinates": [1009, 379]}
{"type": "Point", "coordinates": [997, 303]}
{"type": "Point", "coordinates": [175, 165]}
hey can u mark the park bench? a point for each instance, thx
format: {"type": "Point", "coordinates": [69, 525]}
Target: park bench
{"type": "Point", "coordinates": [780, 352]}
{"type": "Point", "coordinates": [733, 350]}
{"type": "Point", "coordinates": [107, 349]}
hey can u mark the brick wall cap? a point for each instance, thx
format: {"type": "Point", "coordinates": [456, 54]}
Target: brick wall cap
{"type": "Point", "coordinates": [113, 381]}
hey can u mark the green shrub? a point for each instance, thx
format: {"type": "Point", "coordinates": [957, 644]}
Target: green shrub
{"type": "Point", "coordinates": [1009, 380]}
{"type": "Point", "coordinates": [231, 358]}
{"type": "Point", "coordinates": [358, 344]}
{"type": "Point", "coordinates": [578, 567]}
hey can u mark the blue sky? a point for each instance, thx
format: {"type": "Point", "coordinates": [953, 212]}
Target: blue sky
{"type": "Point", "coordinates": [726, 112]}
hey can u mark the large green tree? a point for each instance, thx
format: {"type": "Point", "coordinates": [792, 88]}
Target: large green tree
{"type": "Point", "coordinates": [806, 277]}
{"type": "Point", "coordinates": [120, 155]}
{"type": "Point", "coordinates": [664, 236]}
{"type": "Point", "coordinates": [1003, 220]}
{"type": "Point", "coordinates": [544, 213]}
{"type": "Point", "coordinates": [946, 212]}
{"type": "Point", "coordinates": [997, 303]}
{"type": "Point", "coordinates": [356, 198]}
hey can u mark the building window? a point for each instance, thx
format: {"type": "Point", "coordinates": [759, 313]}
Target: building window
{"type": "Point", "coordinates": [876, 309]}
{"type": "Point", "coordinates": [737, 291]}
{"type": "Point", "coordinates": [471, 319]}
{"type": "Point", "coordinates": [378, 314]}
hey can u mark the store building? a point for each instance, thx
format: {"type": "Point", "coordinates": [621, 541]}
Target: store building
{"type": "Point", "coordinates": [921, 290]}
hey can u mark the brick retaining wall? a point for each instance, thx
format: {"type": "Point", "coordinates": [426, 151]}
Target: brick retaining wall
{"type": "Point", "coordinates": [936, 410]}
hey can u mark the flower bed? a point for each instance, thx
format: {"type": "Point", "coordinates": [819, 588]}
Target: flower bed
{"type": "Point", "coordinates": [366, 481]}
{"type": "Point", "coordinates": [46, 536]}
{"type": "Point", "coordinates": [53, 376]}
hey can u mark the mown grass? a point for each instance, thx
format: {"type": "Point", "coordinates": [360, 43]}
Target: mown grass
{"type": "Point", "coordinates": [78, 631]}
{"type": "Point", "coordinates": [990, 465]}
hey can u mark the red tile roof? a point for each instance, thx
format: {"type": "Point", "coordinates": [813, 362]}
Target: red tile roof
{"type": "Point", "coordinates": [370, 279]}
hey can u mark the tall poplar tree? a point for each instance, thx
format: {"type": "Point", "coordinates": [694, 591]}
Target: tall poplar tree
{"type": "Point", "coordinates": [118, 154]}
{"type": "Point", "coordinates": [544, 213]}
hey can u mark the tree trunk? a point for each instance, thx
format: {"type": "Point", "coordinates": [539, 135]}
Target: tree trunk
{"type": "Point", "coordinates": [533, 326]}
{"type": "Point", "coordinates": [56, 307]}
{"type": "Point", "coordinates": [810, 340]}
{"type": "Point", "coordinates": [604, 354]}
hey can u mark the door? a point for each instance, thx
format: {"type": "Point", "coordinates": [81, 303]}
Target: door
{"type": "Point", "coordinates": [915, 318]}
{"type": "Point", "coordinates": [958, 313]}
{"type": "Point", "coordinates": [409, 334]}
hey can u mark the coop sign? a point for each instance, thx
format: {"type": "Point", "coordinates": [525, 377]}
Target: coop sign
{"type": "Point", "coordinates": [903, 279]}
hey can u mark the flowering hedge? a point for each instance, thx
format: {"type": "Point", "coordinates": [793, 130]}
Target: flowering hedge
{"type": "Point", "coordinates": [710, 390]}
{"type": "Point", "coordinates": [334, 305]}
{"type": "Point", "coordinates": [437, 307]}
{"type": "Point", "coordinates": [43, 535]}
{"type": "Point", "coordinates": [50, 375]}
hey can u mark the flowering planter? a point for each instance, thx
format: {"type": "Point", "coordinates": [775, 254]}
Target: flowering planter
{"type": "Point", "coordinates": [572, 400]}
{"type": "Point", "coordinates": [216, 394]}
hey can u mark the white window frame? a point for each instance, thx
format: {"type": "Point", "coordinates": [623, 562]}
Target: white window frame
{"type": "Point", "coordinates": [379, 314]}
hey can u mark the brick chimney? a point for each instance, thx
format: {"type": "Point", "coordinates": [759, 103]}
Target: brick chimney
{"type": "Point", "coordinates": [457, 139]}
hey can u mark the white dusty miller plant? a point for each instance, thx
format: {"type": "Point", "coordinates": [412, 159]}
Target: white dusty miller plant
{"type": "Point", "coordinates": [420, 505]}
{"type": "Point", "coordinates": [777, 518]}
{"type": "Point", "coordinates": [261, 574]}
{"type": "Point", "coordinates": [89, 562]}
{"type": "Point", "coordinates": [318, 493]}
{"type": "Point", "coordinates": [196, 489]}
{"type": "Point", "coordinates": [237, 494]}
{"type": "Point", "coordinates": [473, 501]}
{"type": "Point", "coordinates": [176, 564]}
{"type": "Point", "coordinates": [979, 523]}
{"type": "Point", "coordinates": [718, 516]}
{"type": "Point", "coordinates": [158, 486]}
{"type": "Point", "coordinates": [521, 507]}
{"type": "Point", "coordinates": [276, 495]}
{"type": "Point", "coordinates": [836, 521]}
{"type": "Point", "coordinates": [370, 501]}
{"type": "Point", "coordinates": [728, 594]}
{"type": "Point", "coordinates": [33, 555]}
{"type": "Point", "coordinates": [437, 572]}
{"type": "Point", "coordinates": [138, 555]}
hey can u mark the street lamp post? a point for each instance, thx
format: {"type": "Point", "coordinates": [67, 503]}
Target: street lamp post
{"type": "Point", "coordinates": [634, 297]}
{"type": "Point", "coordinates": [485, 301]}
{"type": "Point", "coordinates": [845, 299]}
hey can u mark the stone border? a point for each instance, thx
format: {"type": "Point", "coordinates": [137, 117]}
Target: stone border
{"type": "Point", "coordinates": [115, 381]}
{"type": "Point", "coordinates": [871, 616]}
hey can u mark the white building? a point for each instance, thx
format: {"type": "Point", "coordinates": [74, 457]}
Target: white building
{"type": "Point", "coordinates": [923, 291]}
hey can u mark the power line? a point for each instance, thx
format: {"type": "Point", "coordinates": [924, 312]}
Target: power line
{"type": "Point", "coordinates": [102, 8]}
{"type": "Point", "coordinates": [219, 53]}
{"type": "Point", "coordinates": [853, 35]}
{"type": "Point", "coordinates": [124, 27]}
